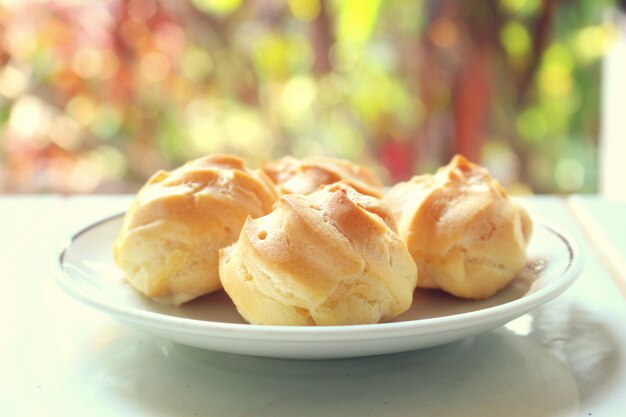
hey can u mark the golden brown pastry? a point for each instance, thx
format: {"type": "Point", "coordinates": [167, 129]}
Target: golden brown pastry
{"type": "Point", "coordinates": [319, 259]}
{"type": "Point", "coordinates": [304, 176]}
{"type": "Point", "coordinates": [462, 230]}
{"type": "Point", "coordinates": [168, 246]}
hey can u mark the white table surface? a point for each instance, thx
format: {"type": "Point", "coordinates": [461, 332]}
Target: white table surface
{"type": "Point", "coordinates": [61, 358]}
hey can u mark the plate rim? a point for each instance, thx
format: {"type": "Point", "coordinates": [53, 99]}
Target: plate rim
{"type": "Point", "coordinates": [146, 318]}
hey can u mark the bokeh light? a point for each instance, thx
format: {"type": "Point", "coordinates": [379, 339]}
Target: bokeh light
{"type": "Point", "coordinates": [96, 96]}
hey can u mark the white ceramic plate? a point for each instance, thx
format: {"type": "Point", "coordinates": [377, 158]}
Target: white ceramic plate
{"type": "Point", "coordinates": [86, 271]}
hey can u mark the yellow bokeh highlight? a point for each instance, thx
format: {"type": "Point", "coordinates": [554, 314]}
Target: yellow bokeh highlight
{"type": "Point", "coordinates": [357, 19]}
{"type": "Point", "coordinates": [555, 81]}
{"type": "Point", "coordinates": [271, 55]}
{"type": "Point", "coordinates": [555, 74]}
{"type": "Point", "coordinates": [246, 133]}
{"type": "Point", "coordinates": [20, 42]}
{"type": "Point", "coordinates": [306, 10]}
{"type": "Point", "coordinates": [196, 64]}
{"type": "Point", "coordinates": [223, 126]}
{"type": "Point", "coordinates": [218, 7]}
{"type": "Point", "coordinates": [345, 142]}
{"type": "Point", "coordinates": [83, 109]}
{"type": "Point", "coordinates": [521, 7]}
{"type": "Point", "coordinates": [109, 162]}
{"type": "Point", "coordinates": [30, 118]}
{"type": "Point", "coordinates": [515, 39]}
{"type": "Point", "coordinates": [532, 125]}
{"type": "Point", "coordinates": [592, 42]}
{"type": "Point", "coordinates": [13, 81]}
{"type": "Point", "coordinates": [205, 136]}
{"type": "Point", "coordinates": [93, 63]}
{"type": "Point", "coordinates": [298, 94]}
{"type": "Point", "coordinates": [373, 94]}
{"type": "Point", "coordinates": [559, 54]}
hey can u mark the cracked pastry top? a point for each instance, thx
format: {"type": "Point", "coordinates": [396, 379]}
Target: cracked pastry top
{"type": "Point", "coordinates": [304, 176]}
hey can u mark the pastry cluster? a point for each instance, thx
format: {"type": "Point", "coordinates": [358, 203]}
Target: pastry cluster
{"type": "Point", "coordinates": [317, 241]}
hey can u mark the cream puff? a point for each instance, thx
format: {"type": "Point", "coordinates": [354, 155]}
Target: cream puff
{"type": "Point", "coordinates": [168, 246]}
{"type": "Point", "coordinates": [327, 258]}
{"type": "Point", "coordinates": [464, 233]}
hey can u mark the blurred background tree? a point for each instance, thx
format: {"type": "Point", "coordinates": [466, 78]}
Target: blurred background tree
{"type": "Point", "coordinates": [96, 96]}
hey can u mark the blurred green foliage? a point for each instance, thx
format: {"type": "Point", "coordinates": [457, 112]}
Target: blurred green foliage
{"type": "Point", "coordinates": [96, 96]}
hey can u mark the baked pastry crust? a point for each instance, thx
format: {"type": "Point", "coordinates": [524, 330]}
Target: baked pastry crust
{"type": "Point", "coordinates": [168, 246]}
{"type": "Point", "coordinates": [464, 233]}
{"type": "Point", "coordinates": [304, 176]}
{"type": "Point", "coordinates": [319, 259]}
